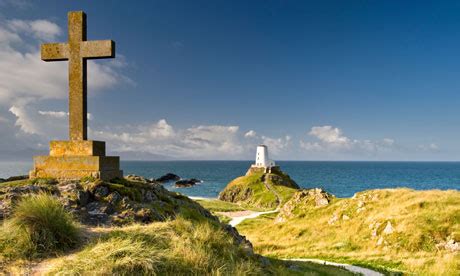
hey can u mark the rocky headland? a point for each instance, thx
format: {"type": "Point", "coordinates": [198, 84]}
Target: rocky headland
{"type": "Point", "coordinates": [260, 188]}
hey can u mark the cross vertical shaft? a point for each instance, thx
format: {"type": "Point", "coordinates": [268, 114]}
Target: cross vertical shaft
{"type": "Point", "coordinates": [77, 51]}
{"type": "Point", "coordinates": [78, 106]}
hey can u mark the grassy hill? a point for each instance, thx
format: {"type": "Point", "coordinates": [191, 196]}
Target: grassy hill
{"type": "Point", "coordinates": [260, 190]}
{"type": "Point", "coordinates": [400, 229]}
{"type": "Point", "coordinates": [45, 229]}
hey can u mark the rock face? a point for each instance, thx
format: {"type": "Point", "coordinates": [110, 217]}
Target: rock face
{"type": "Point", "coordinates": [184, 183]}
{"type": "Point", "coordinates": [129, 200]}
{"type": "Point", "coordinates": [168, 177]}
{"type": "Point", "coordinates": [307, 198]}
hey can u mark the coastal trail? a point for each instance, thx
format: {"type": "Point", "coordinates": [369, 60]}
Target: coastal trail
{"type": "Point", "coordinates": [240, 216]}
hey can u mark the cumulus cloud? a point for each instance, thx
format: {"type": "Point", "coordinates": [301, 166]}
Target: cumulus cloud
{"type": "Point", "coordinates": [40, 29]}
{"type": "Point", "coordinates": [161, 138]}
{"type": "Point", "coordinates": [332, 139]}
{"type": "Point", "coordinates": [430, 147]}
{"type": "Point", "coordinates": [277, 145]}
{"type": "Point", "coordinates": [250, 134]}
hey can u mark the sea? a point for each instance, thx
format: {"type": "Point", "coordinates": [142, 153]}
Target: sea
{"type": "Point", "coordinates": [342, 179]}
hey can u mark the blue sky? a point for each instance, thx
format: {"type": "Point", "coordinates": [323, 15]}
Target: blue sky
{"type": "Point", "coordinates": [315, 80]}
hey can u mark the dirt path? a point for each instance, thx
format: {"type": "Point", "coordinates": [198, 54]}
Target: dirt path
{"type": "Point", "coordinates": [349, 267]}
{"type": "Point", "coordinates": [271, 189]}
{"type": "Point", "coordinates": [240, 216]}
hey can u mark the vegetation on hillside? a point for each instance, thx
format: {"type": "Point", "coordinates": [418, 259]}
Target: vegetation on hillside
{"type": "Point", "coordinates": [39, 227]}
{"type": "Point", "coordinates": [260, 190]}
{"type": "Point", "coordinates": [39, 236]}
{"type": "Point", "coordinates": [400, 229]}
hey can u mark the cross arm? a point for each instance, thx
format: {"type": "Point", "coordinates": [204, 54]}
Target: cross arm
{"type": "Point", "coordinates": [54, 51]}
{"type": "Point", "coordinates": [95, 49]}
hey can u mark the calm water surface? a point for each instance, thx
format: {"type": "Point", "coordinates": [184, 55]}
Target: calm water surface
{"type": "Point", "coordinates": [340, 178]}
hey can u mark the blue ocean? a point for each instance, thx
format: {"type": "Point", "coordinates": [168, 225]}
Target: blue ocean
{"type": "Point", "coordinates": [343, 179]}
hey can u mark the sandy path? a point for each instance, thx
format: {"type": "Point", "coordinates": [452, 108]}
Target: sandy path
{"type": "Point", "coordinates": [240, 216]}
{"type": "Point", "coordinates": [349, 267]}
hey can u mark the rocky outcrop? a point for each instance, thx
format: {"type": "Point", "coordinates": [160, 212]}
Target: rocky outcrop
{"type": "Point", "coordinates": [306, 198]}
{"type": "Point", "coordinates": [185, 183]}
{"type": "Point", "coordinates": [97, 202]}
{"type": "Point", "coordinates": [260, 188]}
{"type": "Point", "coordinates": [168, 177]}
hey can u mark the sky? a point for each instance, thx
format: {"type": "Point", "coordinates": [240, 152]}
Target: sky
{"type": "Point", "coordinates": [210, 80]}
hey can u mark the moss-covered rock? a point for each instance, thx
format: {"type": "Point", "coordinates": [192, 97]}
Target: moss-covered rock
{"type": "Point", "coordinates": [97, 202]}
{"type": "Point", "coordinates": [260, 188]}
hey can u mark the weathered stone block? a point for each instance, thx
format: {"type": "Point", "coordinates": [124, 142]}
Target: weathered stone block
{"type": "Point", "coordinates": [77, 148]}
{"type": "Point", "coordinates": [76, 167]}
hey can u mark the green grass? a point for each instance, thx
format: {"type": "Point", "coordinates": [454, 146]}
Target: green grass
{"type": "Point", "coordinates": [306, 268]}
{"type": "Point", "coordinates": [25, 182]}
{"type": "Point", "coordinates": [215, 205]}
{"type": "Point", "coordinates": [38, 227]}
{"type": "Point", "coordinates": [251, 191]}
{"type": "Point", "coordinates": [177, 247]}
{"type": "Point", "coordinates": [420, 221]}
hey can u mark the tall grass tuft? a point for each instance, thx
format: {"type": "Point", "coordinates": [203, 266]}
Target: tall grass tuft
{"type": "Point", "coordinates": [178, 247]}
{"type": "Point", "coordinates": [39, 226]}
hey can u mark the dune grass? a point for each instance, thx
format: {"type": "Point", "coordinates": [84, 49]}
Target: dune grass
{"type": "Point", "coordinates": [38, 227]}
{"type": "Point", "coordinates": [420, 220]}
{"type": "Point", "coordinates": [176, 247]}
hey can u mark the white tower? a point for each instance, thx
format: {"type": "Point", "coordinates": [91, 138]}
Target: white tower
{"type": "Point", "coordinates": [262, 160]}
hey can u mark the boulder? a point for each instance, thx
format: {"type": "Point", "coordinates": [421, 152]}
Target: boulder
{"type": "Point", "coordinates": [184, 183]}
{"type": "Point", "coordinates": [82, 197]}
{"type": "Point", "coordinates": [168, 177]}
{"type": "Point", "coordinates": [18, 177]}
{"type": "Point", "coordinates": [303, 199]}
{"type": "Point", "coordinates": [137, 178]}
{"type": "Point", "coordinates": [149, 196]}
{"type": "Point", "coordinates": [113, 198]}
{"type": "Point", "coordinates": [101, 192]}
{"type": "Point", "coordinates": [388, 229]}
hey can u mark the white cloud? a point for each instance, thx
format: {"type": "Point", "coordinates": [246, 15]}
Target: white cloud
{"type": "Point", "coordinates": [40, 29]}
{"type": "Point", "coordinates": [430, 147]}
{"type": "Point", "coordinates": [27, 80]}
{"type": "Point", "coordinates": [24, 121]}
{"type": "Point", "coordinates": [277, 145]}
{"type": "Point", "coordinates": [332, 139]}
{"type": "Point", "coordinates": [250, 134]}
{"type": "Point", "coordinates": [55, 114]}
{"type": "Point", "coordinates": [61, 114]}
{"type": "Point", "coordinates": [330, 135]}
{"type": "Point", "coordinates": [199, 142]}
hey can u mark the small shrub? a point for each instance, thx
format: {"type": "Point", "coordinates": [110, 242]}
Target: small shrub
{"type": "Point", "coordinates": [39, 226]}
{"type": "Point", "coordinates": [87, 179]}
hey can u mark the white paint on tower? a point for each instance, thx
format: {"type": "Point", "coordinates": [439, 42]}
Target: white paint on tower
{"type": "Point", "coordinates": [262, 160]}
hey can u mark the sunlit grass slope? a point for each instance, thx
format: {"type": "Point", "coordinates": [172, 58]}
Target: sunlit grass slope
{"type": "Point", "coordinates": [259, 190]}
{"type": "Point", "coordinates": [401, 229]}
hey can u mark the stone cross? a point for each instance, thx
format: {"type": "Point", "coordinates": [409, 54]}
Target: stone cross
{"type": "Point", "coordinates": [77, 50]}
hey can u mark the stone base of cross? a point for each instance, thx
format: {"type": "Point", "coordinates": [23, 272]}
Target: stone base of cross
{"type": "Point", "coordinates": [76, 159]}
